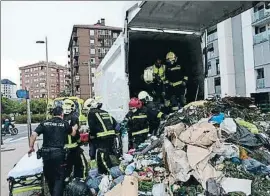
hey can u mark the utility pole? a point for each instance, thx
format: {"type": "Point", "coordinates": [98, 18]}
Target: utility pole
{"type": "Point", "coordinates": [89, 73]}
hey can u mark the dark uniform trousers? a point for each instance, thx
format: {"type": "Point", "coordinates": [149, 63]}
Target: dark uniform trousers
{"type": "Point", "coordinates": [54, 170]}
{"type": "Point", "coordinates": [105, 143]}
{"type": "Point", "coordinates": [138, 124]}
{"type": "Point", "coordinates": [77, 162]}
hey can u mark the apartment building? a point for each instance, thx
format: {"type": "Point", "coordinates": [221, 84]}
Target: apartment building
{"type": "Point", "coordinates": [239, 54]}
{"type": "Point", "coordinates": [87, 47]}
{"type": "Point", "coordinates": [34, 78]}
{"type": "Point", "coordinates": [8, 89]}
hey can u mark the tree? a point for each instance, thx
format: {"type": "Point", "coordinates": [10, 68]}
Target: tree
{"type": "Point", "coordinates": [64, 94]}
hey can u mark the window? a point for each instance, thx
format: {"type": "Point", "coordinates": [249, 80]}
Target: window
{"type": "Point", "coordinates": [92, 51]}
{"type": "Point", "coordinates": [52, 74]}
{"type": "Point", "coordinates": [217, 85]}
{"type": "Point", "coordinates": [92, 41]}
{"type": "Point", "coordinates": [115, 35]}
{"type": "Point", "coordinates": [217, 66]}
{"type": "Point", "coordinates": [260, 73]}
{"type": "Point", "coordinates": [93, 60]}
{"type": "Point", "coordinates": [92, 32]}
{"type": "Point", "coordinates": [260, 29]}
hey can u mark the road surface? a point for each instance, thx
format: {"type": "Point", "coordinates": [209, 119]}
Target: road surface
{"type": "Point", "coordinates": [22, 133]}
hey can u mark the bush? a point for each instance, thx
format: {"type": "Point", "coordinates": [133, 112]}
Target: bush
{"type": "Point", "coordinates": [35, 118]}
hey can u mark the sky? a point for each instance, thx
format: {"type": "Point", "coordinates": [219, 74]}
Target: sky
{"type": "Point", "coordinates": [23, 23]}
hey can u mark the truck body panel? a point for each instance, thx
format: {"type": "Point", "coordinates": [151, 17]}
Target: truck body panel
{"type": "Point", "coordinates": [119, 75]}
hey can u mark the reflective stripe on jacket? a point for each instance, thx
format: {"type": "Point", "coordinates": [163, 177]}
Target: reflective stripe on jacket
{"type": "Point", "coordinates": [159, 72]}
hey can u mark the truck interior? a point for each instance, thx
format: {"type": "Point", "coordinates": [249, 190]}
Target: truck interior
{"type": "Point", "coordinates": [146, 47]}
{"type": "Point", "coordinates": [190, 16]}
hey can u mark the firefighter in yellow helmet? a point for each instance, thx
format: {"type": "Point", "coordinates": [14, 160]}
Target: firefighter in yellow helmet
{"type": "Point", "coordinates": [175, 83]}
{"type": "Point", "coordinates": [76, 160]}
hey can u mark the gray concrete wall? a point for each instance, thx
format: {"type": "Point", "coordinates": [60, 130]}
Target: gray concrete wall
{"type": "Point", "coordinates": [238, 53]}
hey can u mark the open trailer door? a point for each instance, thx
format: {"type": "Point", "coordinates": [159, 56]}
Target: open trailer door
{"type": "Point", "coordinates": [195, 16]}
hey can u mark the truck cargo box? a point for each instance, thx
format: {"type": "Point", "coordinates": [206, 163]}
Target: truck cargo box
{"type": "Point", "coordinates": [151, 30]}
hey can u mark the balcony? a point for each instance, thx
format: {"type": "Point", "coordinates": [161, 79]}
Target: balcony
{"type": "Point", "coordinates": [261, 17]}
{"type": "Point", "coordinates": [261, 37]}
{"type": "Point", "coordinates": [75, 64]}
{"type": "Point", "coordinates": [74, 36]}
{"type": "Point", "coordinates": [260, 83]}
{"type": "Point", "coordinates": [76, 54]}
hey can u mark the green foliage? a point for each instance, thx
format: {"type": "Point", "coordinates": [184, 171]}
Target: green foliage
{"type": "Point", "coordinates": [35, 118]}
{"type": "Point", "coordinates": [9, 106]}
{"type": "Point", "coordinates": [37, 106]}
{"type": "Point", "coordinates": [64, 94]}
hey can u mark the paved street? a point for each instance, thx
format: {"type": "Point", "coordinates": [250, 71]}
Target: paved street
{"type": "Point", "coordinates": [14, 148]}
{"type": "Point", "coordinates": [22, 133]}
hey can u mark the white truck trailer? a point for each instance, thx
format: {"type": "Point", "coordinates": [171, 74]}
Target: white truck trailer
{"type": "Point", "coordinates": [151, 29]}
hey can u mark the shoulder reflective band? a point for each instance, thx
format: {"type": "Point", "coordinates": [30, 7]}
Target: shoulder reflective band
{"type": "Point", "coordinates": [140, 132]}
{"type": "Point", "coordinates": [185, 78]}
{"type": "Point", "coordinates": [176, 68]}
{"type": "Point", "coordinates": [176, 83]}
{"type": "Point", "coordinates": [159, 115]}
{"type": "Point", "coordinates": [175, 108]}
{"type": "Point", "coordinates": [167, 103]}
{"type": "Point", "coordinates": [141, 116]}
{"type": "Point", "coordinates": [107, 116]}
{"type": "Point", "coordinates": [105, 131]}
{"type": "Point", "coordinates": [70, 144]}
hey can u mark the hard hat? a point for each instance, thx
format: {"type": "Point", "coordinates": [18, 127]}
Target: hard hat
{"type": "Point", "coordinates": [148, 75]}
{"type": "Point", "coordinates": [143, 95]}
{"type": "Point", "coordinates": [68, 106]}
{"type": "Point", "coordinates": [171, 57]}
{"type": "Point", "coordinates": [135, 103]}
{"type": "Point", "coordinates": [90, 104]}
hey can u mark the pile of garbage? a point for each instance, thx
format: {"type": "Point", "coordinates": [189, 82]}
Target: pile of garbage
{"type": "Point", "coordinates": [193, 157]}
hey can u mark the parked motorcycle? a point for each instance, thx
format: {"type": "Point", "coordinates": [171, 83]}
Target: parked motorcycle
{"type": "Point", "coordinates": [11, 129]}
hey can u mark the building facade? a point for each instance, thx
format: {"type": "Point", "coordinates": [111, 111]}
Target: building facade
{"type": "Point", "coordinates": [239, 54]}
{"type": "Point", "coordinates": [87, 47]}
{"type": "Point", "coordinates": [8, 89]}
{"type": "Point", "coordinates": [34, 78]}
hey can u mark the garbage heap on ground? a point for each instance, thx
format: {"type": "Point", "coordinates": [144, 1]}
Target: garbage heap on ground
{"type": "Point", "coordinates": [194, 157]}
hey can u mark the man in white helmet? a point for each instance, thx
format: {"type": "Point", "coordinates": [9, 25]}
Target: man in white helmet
{"type": "Point", "coordinates": [102, 132]}
{"type": "Point", "coordinates": [76, 160]}
{"type": "Point", "coordinates": [153, 111]}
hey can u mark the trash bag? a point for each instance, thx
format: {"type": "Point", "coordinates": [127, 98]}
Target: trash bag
{"type": "Point", "coordinates": [244, 138]}
{"type": "Point", "coordinates": [115, 172]}
{"type": "Point", "coordinates": [93, 183]}
{"type": "Point", "coordinates": [78, 188]}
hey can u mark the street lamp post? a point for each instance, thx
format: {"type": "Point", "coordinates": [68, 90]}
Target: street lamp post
{"type": "Point", "coordinates": [47, 66]}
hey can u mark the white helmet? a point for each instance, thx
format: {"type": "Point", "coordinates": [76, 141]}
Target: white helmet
{"type": "Point", "coordinates": [144, 95]}
{"type": "Point", "coordinates": [68, 106]}
{"type": "Point", "coordinates": [90, 104]}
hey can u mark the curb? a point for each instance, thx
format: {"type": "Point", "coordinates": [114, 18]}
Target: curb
{"type": "Point", "coordinates": [7, 149]}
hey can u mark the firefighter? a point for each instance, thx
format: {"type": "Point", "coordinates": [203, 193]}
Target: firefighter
{"type": "Point", "coordinates": [102, 128]}
{"type": "Point", "coordinates": [137, 122]}
{"type": "Point", "coordinates": [155, 75]}
{"type": "Point", "coordinates": [175, 83]}
{"type": "Point", "coordinates": [55, 132]}
{"type": "Point", "coordinates": [153, 111]}
{"type": "Point", "coordinates": [76, 160]}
